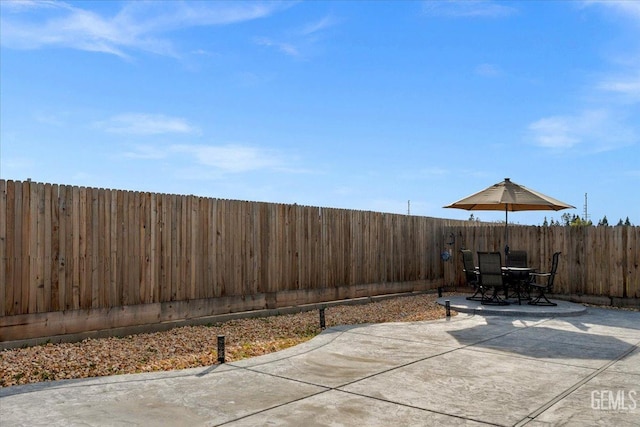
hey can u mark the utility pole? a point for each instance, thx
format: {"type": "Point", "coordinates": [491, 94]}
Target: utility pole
{"type": "Point", "coordinates": [408, 207]}
{"type": "Point", "coordinates": [586, 211]}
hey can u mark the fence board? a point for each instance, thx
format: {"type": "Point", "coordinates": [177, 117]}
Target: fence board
{"type": "Point", "coordinates": [36, 293]}
{"type": "Point", "coordinates": [97, 250]}
{"type": "Point", "coordinates": [66, 244]}
{"type": "Point", "coordinates": [162, 250]}
{"type": "Point", "coordinates": [84, 291]}
{"type": "Point", "coordinates": [22, 247]}
{"type": "Point", "coordinates": [156, 239]}
{"type": "Point", "coordinates": [46, 239]}
{"type": "Point", "coordinates": [4, 278]}
{"type": "Point", "coordinates": [12, 258]}
{"type": "Point", "coordinates": [75, 255]}
{"type": "Point", "coordinates": [633, 275]}
{"type": "Point", "coordinates": [133, 248]}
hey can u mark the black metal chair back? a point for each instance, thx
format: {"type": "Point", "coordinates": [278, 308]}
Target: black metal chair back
{"type": "Point", "coordinates": [542, 289]}
{"type": "Point", "coordinates": [490, 270]}
{"type": "Point", "coordinates": [469, 267]}
{"type": "Point", "coordinates": [471, 274]}
{"type": "Point", "coordinates": [490, 266]}
{"type": "Point", "coordinates": [517, 259]}
{"type": "Point", "coordinates": [552, 273]}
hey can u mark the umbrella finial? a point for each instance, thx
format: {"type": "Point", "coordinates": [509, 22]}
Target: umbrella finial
{"type": "Point", "coordinates": [507, 179]}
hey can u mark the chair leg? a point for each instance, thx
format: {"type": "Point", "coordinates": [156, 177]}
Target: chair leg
{"type": "Point", "coordinates": [523, 291]}
{"type": "Point", "coordinates": [542, 299]}
{"type": "Point", "coordinates": [494, 299]}
{"type": "Point", "coordinates": [475, 296]}
{"type": "Point", "coordinates": [517, 291]}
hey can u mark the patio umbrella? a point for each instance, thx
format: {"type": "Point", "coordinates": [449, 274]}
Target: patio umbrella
{"type": "Point", "coordinates": [508, 196]}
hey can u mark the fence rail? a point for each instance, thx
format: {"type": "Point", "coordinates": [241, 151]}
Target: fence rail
{"type": "Point", "coordinates": [67, 248]}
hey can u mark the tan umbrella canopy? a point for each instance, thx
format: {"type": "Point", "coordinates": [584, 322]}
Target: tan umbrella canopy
{"type": "Point", "coordinates": [508, 196]}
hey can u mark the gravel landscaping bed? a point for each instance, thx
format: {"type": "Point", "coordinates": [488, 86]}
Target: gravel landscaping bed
{"type": "Point", "coordinates": [194, 346]}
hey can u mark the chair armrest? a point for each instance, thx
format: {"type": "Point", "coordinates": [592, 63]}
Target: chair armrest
{"type": "Point", "coordinates": [540, 274]}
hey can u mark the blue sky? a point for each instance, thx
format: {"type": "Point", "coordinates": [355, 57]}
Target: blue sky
{"type": "Point", "coordinates": [358, 105]}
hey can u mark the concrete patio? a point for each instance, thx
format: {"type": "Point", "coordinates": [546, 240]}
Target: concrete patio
{"type": "Point", "coordinates": [470, 369]}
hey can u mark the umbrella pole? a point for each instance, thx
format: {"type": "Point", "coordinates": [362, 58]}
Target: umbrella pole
{"type": "Point", "coordinates": [506, 230]}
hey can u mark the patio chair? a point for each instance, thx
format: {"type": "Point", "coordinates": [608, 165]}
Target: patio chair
{"type": "Point", "coordinates": [490, 268]}
{"type": "Point", "coordinates": [542, 288]}
{"type": "Point", "coordinates": [517, 259]}
{"type": "Point", "coordinates": [519, 281]}
{"type": "Point", "coordinates": [471, 274]}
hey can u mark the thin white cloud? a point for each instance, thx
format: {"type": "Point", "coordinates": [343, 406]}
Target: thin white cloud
{"type": "Point", "coordinates": [25, 5]}
{"type": "Point", "coordinates": [467, 8]}
{"type": "Point", "coordinates": [625, 8]}
{"type": "Point", "coordinates": [435, 171]}
{"type": "Point", "coordinates": [147, 152]}
{"type": "Point", "coordinates": [17, 165]}
{"type": "Point", "coordinates": [201, 52]}
{"type": "Point", "coordinates": [137, 26]}
{"type": "Point", "coordinates": [627, 86]}
{"type": "Point", "coordinates": [286, 48]}
{"type": "Point", "coordinates": [607, 126]}
{"type": "Point", "coordinates": [322, 24]}
{"type": "Point", "coordinates": [232, 157]}
{"type": "Point", "coordinates": [554, 132]}
{"type": "Point", "coordinates": [488, 70]}
{"type": "Point", "coordinates": [625, 82]}
{"type": "Point", "coordinates": [145, 124]}
{"type": "Point", "coordinates": [299, 40]}
{"type": "Point", "coordinates": [57, 119]}
{"type": "Point", "coordinates": [213, 161]}
{"type": "Point", "coordinates": [590, 131]}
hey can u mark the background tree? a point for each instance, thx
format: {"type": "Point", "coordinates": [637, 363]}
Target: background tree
{"type": "Point", "coordinates": [579, 222]}
{"type": "Point", "coordinates": [604, 222]}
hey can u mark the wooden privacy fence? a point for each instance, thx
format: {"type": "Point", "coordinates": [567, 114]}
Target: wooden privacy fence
{"type": "Point", "coordinates": [86, 253]}
{"type": "Point", "coordinates": [76, 259]}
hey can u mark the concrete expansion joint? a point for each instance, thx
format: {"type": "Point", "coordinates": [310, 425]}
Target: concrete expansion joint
{"type": "Point", "coordinates": [568, 391]}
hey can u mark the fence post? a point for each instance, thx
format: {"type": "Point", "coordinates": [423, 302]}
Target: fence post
{"type": "Point", "coordinates": [322, 320]}
{"type": "Point", "coordinates": [221, 348]}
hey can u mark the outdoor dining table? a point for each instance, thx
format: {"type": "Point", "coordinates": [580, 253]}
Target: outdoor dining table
{"type": "Point", "coordinates": [516, 277]}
